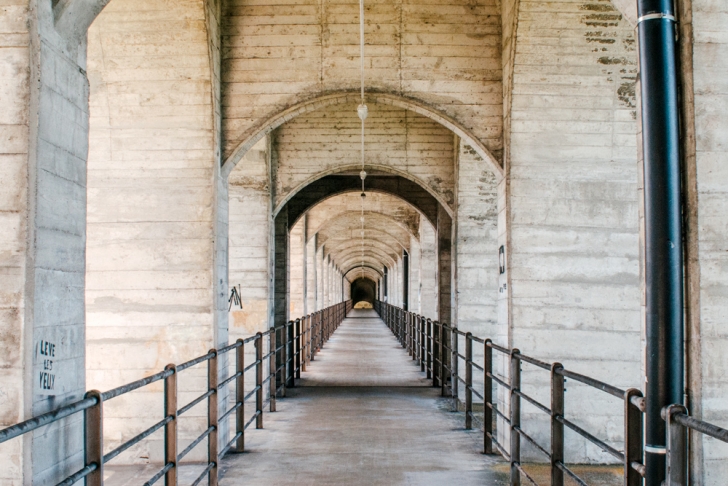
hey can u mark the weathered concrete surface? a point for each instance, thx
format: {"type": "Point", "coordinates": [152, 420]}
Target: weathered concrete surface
{"type": "Point", "coordinates": [446, 55]}
{"type": "Point", "coordinates": [710, 51]}
{"type": "Point", "coordinates": [151, 213]}
{"type": "Point", "coordinates": [573, 204]}
{"type": "Point", "coordinates": [363, 414]}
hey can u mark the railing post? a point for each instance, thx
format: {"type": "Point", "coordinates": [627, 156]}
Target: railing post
{"type": "Point", "coordinates": [94, 439]}
{"type": "Point", "coordinates": [454, 364]}
{"type": "Point", "coordinates": [677, 447]}
{"type": "Point", "coordinates": [557, 428]}
{"type": "Point", "coordinates": [487, 397]}
{"type": "Point", "coordinates": [633, 428]}
{"type": "Point", "coordinates": [468, 381]}
{"type": "Point", "coordinates": [212, 413]}
{"type": "Point", "coordinates": [170, 429]}
{"type": "Point", "coordinates": [259, 380]}
{"type": "Point", "coordinates": [428, 352]}
{"type": "Point", "coordinates": [272, 361]}
{"type": "Point", "coordinates": [298, 349]}
{"type": "Point", "coordinates": [515, 418]}
{"type": "Point", "coordinates": [240, 395]}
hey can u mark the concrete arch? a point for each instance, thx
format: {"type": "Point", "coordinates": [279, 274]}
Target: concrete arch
{"type": "Point", "coordinates": [353, 217]}
{"type": "Point", "coordinates": [369, 168]}
{"type": "Point", "coordinates": [260, 130]}
{"type": "Point", "coordinates": [368, 268]}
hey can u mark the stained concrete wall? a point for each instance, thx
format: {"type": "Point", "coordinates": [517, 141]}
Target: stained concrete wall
{"type": "Point", "coordinates": [151, 217]}
{"type": "Point", "coordinates": [574, 239]}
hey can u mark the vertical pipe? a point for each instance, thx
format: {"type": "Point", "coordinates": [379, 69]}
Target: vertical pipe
{"type": "Point", "coordinates": [487, 397]}
{"type": "Point", "coordinates": [515, 418]}
{"type": "Point", "coordinates": [663, 225]}
{"type": "Point", "coordinates": [240, 395]}
{"type": "Point", "coordinates": [677, 447]}
{"type": "Point", "coordinates": [94, 439]}
{"type": "Point", "coordinates": [272, 369]}
{"type": "Point", "coordinates": [212, 413]}
{"type": "Point", "coordinates": [633, 427]}
{"type": "Point", "coordinates": [557, 428]}
{"type": "Point", "coordinates": [468, 381]}
{"type": "Point", "coordinates": [170, 429]}
{"type": "Point", "coordinates": [259, 380]}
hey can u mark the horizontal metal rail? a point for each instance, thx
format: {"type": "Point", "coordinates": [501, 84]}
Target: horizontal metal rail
{"type": "Point", "coordinates": [316, 330]}
{"type": "Point", "coordinates": [435, 346]}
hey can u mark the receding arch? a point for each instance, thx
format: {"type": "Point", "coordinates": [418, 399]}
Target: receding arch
{"type": "Point", "coordinates": [252, 135]}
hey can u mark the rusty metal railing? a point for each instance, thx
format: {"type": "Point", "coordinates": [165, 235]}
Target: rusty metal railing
{"type": "Point", "coordinates": [434, 346]}
{"type": "Point", "coordinates": [300, 341]}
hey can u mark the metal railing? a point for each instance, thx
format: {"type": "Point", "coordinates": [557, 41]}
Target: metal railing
{"type": "Point", "coordinates": [435, 346]}
{"type": "Point", "coordinates": [427, 342]}
{"type": "Point", "coordinates": [299, 341]}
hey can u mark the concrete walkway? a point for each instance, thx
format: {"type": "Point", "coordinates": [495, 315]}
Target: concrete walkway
{"type": "Point", "coordinates": [362, 415]}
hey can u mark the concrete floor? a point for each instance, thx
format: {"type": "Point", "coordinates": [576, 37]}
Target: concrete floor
{"type": "Point", "coordinates": [362, 415]}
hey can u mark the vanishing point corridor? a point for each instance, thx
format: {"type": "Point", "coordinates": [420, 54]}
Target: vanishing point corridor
{"type": "Point", "coordinates": [362, 414]}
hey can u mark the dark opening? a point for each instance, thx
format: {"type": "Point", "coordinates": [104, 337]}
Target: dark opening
{"type": "Point", "coordinates": [363, 290]}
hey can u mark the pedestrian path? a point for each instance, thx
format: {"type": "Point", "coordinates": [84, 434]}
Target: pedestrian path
{"type": "Point", "coordinates": [363, 414]}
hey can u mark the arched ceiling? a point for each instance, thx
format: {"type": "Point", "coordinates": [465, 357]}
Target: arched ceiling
{"type": "Point", "coordinates": [390, 224]}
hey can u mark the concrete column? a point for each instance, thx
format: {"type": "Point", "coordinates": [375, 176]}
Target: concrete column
{"type": "Point", "coordinates": [414, 268]}
{"type": "Point", "coordinates": [428, 270]}
{"type": "Point", "coordinates": [296, 271]}
{"type": "Point", "coordinates": [311, 277]}
{"type": "Point", "coordinates": [43, 154]}
{"type": "Point", "coordinates": [444, 265]}
{"type": "Point", "coordinates": [319, 257]}
{"type": "Point", "coordinates": [280, 275]}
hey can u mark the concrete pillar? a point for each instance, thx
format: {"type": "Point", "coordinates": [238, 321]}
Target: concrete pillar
{"type": "Point", "coordinates": [296, 271]}
{"type": "Point", "coordinates": [43, 154]}
{"type": "Point", "coordinates": [414, 268]}
{"type": "Point", "coordinates": [311, 291]}
{"type": "Point", "coordinates": [280, 275]}
{"type": "Point", "coordinates": [444, 265]}
{"type": "Point", "coordinates": [318, 258]}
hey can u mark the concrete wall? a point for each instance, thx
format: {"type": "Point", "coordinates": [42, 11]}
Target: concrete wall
{"type": "Point", "coordinates": [476, 246]}
{"type": "Point", "coordinates": [574, 238]}
{"type": "Point", "coordinates": [249, 241]}
{"type": "Point", "coordinates": [151, 208]}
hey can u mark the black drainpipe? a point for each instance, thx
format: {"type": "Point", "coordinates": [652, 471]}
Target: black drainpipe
{"type": "Point", "coordinates": [663, 221]}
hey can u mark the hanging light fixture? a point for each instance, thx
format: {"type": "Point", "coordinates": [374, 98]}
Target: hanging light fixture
{"type": "Point", "coordinates": [362, 111]}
